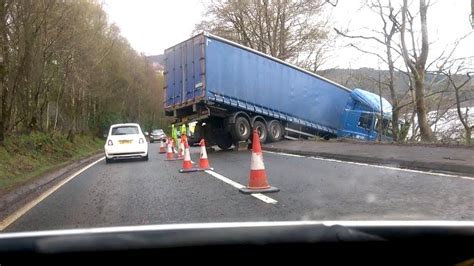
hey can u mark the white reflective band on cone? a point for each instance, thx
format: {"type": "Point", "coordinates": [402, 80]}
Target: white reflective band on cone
{"type": "Point", "coordinates": [181, 147]}
{"type": "Point", "coordinates": [187, 157]}
{"type": "Point", "coordinates": [257, 162]}
{"type": "Point", "coordinates": [203, 154]}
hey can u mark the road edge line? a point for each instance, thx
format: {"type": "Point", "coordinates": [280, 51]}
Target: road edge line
{"type": "Point", "coordinates": [374, 165]}
{"type": "Point", "coordinates": [449, 168]}
{"type": "Point", "coordinates": [31, 204]}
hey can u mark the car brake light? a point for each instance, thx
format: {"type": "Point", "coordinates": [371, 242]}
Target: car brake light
{"type": "Point", "coordinates": [110, 143]}
{"type": "Point", "coordinates": [140, 141]}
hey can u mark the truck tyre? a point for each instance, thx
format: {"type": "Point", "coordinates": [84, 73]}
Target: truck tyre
{"type": "Point", "coordinates": [224, 141]}
{"type": "Point", "coordinates": [262, 130]}
{"type": "Point", "coordinates": [275, 131]}
{"type": "Point", "coordinates": [204, 132]}
{"type": "Point", "coordinates": [241, 129]}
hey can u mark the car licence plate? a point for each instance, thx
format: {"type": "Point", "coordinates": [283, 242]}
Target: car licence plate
{"type": "Point", "coordinates": [127, 141]}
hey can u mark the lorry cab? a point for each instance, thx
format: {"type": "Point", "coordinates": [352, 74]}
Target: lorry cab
{"type": "Point", "coordinates": [365, 115]}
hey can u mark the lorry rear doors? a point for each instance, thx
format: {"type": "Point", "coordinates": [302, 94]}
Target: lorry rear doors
{"type": "Point", "coordinates": [185, 72]}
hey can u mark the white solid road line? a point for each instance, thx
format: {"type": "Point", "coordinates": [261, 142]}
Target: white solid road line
{"type": "Point", "coordinates": [225, 179]}
{"type": "Point", "coordinates": [374, 165]}
{"type": "Point", "coordinates": [286, 154]}
{"type": "Point", "coordinates": [20, 212]}
{"type": "Point", "coordinates": [239, 186]}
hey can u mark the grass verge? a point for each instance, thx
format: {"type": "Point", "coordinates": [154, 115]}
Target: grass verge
{"type": "Point", "coordinates": [24, 157]}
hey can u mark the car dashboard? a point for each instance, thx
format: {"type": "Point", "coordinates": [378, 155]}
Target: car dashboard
{"type": "Point", "coordinates": [331, 242]}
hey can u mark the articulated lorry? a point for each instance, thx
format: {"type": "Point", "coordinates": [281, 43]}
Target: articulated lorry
{"type": "Point", "coordinates": [230, 89]}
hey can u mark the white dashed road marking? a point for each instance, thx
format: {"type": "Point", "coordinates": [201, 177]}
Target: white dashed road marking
{"type": "Point", "coordinates": [239, 186]}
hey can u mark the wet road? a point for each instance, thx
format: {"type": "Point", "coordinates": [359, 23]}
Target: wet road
{"type": "Point", "coordinates": [153, 192]}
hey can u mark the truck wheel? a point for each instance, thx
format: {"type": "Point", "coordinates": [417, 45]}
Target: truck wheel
{"type": "Point", "coordinates": [197, 133]}
{"type": "Point", "coordinates": [204, 132]}
{"type": "Point", "coordinates": [224, 141]}
{"type": "Point", "coordinates": [241, 129]}
{"type": "Point", "coordinates": [275, 131]}
{"type": "Point", "coordinates": [262, 130]}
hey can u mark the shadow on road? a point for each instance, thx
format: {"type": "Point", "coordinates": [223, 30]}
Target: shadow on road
{"type": "Point", "coordinates": [118, 161]}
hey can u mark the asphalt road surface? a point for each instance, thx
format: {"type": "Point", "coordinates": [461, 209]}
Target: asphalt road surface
{"type": "Point", "coordinates": [153, 192]}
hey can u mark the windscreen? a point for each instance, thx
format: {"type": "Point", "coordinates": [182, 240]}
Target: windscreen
{"type": "Point", "coordinates": [124, 130]}
{"type": "Point", "coordinates": [141, 112]}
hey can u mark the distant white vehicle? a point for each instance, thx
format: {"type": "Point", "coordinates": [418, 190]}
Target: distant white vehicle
{"type": "Point", "coordinates": [157, 135]}
{"type": "Point", "coordinates": [125, 141]}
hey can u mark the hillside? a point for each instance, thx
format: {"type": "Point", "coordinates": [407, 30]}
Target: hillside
{"type": "Point", "coordinates": [368, 79]}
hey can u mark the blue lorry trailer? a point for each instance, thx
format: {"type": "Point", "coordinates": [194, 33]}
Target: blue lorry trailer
{"type": "Point", "coordinates": [231, 89]}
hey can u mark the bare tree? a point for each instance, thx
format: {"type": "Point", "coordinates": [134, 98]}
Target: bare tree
{"type": "Point", "coordinates": [285, 29]}
{"type": "Point", "coordinates": [417, 64]}
{"type": "Point", "coordinates": [4, 61]}
{"type": "Point", "coordinates": [388, 17]}
{"type": "Point", "coordinates": [64, 68]}
{"type": "Point", "coordinates": [472, 14]}
{"type": "Point", "coordinates": [464, 118]}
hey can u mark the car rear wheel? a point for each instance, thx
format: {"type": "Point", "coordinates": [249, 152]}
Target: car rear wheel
{"type": "Point", "coordinates": [107, 160]}
{"type": "Point", "coordinates": [145, 158]}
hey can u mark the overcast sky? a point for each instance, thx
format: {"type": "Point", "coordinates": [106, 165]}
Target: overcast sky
{"type": "Point", "coordinates": [154, 25]}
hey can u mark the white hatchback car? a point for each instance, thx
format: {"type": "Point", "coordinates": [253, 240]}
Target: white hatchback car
{"type": "Point", "coordinates": [125, 141]}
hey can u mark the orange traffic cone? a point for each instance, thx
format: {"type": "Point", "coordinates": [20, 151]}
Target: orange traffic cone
{"type": "Point", "coordinates": [187, 164]}
{"type": "Point", "coordinates": [169, 151]}
{"type": "Point", "coordinates": [258, 182]}
{"type": "Point", "coordinates": [162, 146]}
{"type": "Point", "coordinates": [184, 137]}
{"type": "Point", "coordinates": [180, 148]}
{"type": "Point", "coordinates": [203, 161]}
{"type": "Point", "coordinates": [173, 148]}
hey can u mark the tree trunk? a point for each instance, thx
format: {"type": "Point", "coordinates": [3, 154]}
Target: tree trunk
{"type": "Point", "coordinates": [425, 130]}
{"type": "Point", "coordinates": [3, 109]}
{"type": "Point", "coordinates": [47, 117]}
{"type": "Point", "coordinates": [417, 68]}
{"type": "Point", "coordinates": [395, 125]}
{"type": "Point", "coordinates": [3, 68]}
{"type": "Point", "coordinates": [412, 118]}
{"type": "Point", "coordinates": [380, 125]}
{"type": "Point", "coordinates": [56, 114]}
{"type": "Point", "coordinates": [468, 135]}
{"type": "Point", "coordinates": [393, 95]}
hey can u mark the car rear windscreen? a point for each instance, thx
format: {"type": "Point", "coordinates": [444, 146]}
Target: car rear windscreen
{"type": "Point", "coordinates": [125, 130]}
